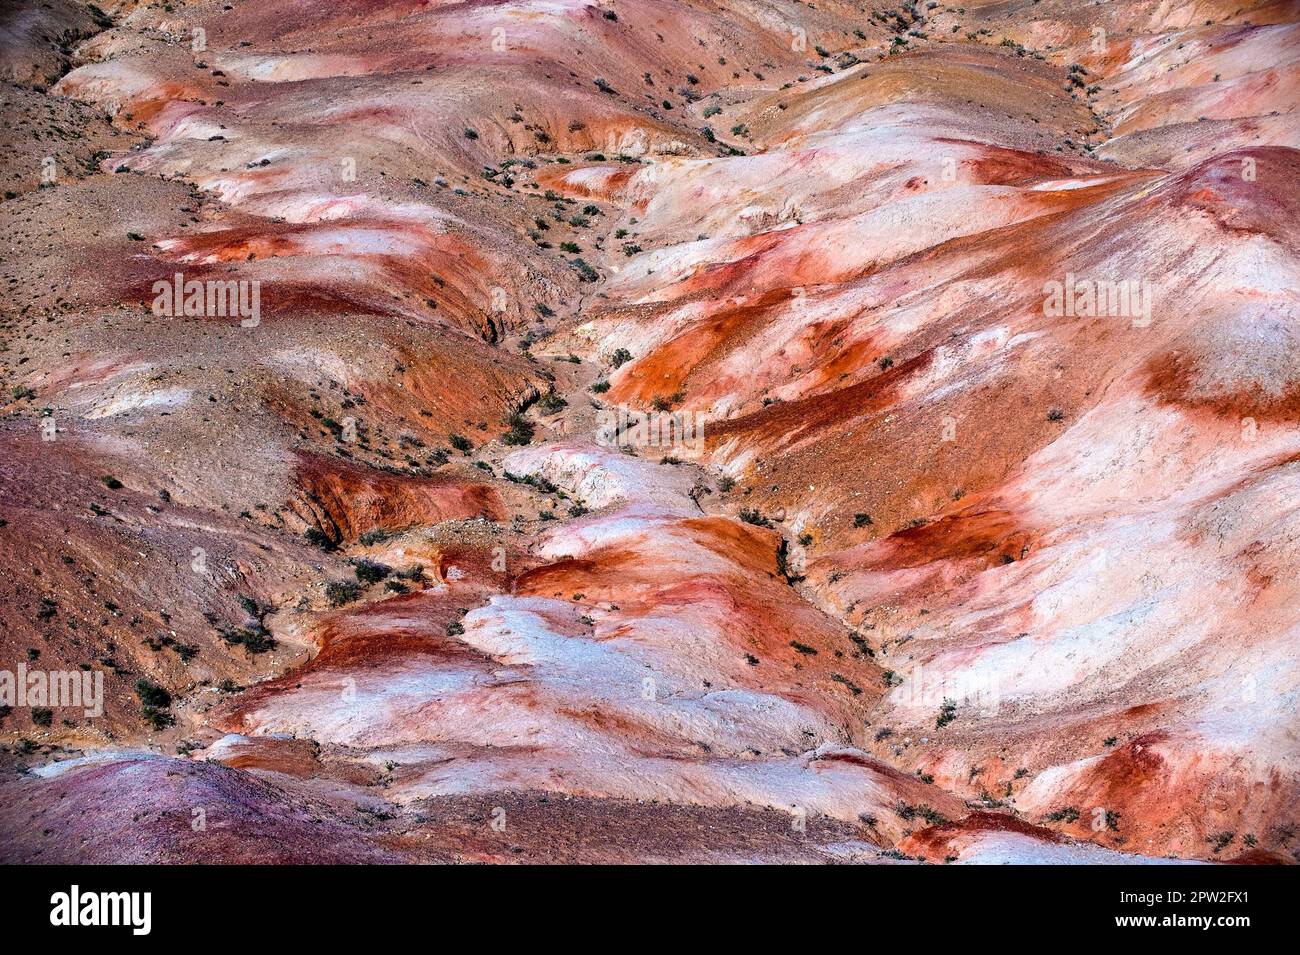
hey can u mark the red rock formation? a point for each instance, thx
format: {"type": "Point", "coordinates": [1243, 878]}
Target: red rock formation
{"type": "Point", "coordinates": [970, 331]}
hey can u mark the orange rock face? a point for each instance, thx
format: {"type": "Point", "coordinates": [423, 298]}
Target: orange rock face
{"type": "Point", "coordinates": [671, 430]}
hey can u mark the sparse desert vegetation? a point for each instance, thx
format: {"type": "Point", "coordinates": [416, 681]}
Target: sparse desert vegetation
{"type": "Point", "coordinates": [798, 432]}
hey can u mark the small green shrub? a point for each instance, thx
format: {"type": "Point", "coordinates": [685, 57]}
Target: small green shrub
{"type": "Point", "coordinates": [521, 430]}
{"type": "Point", "coordinates": [947, 713]}
{"type": "Point", "coordinates": [340, 592]}
{"type": "Point", "coordinates": [370, 571]}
